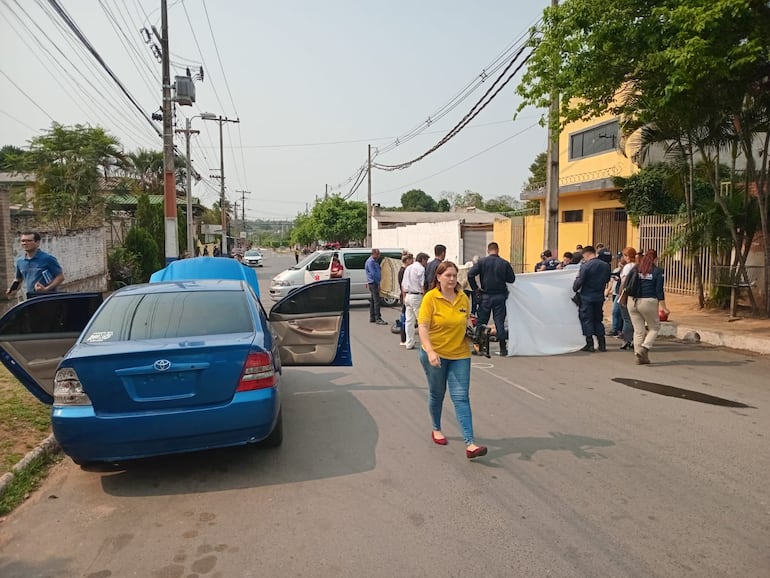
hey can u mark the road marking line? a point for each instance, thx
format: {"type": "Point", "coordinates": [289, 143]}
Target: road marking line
{"type": "Point", "coordinates": [509, 382]}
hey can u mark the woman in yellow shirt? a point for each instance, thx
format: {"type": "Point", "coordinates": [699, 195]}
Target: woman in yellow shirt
{"type": "Point", "coordinates": [445, 354]}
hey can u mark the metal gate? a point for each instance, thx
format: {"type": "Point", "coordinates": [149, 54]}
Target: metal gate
{"type": "Point", "coordinates": [655, 232]}
{"type": "Point", "coordinates": [517, 256]}
{"type": "Point", "coordinates": [475, 242]}
{"type": "Point", "coordinates": [610, 228]}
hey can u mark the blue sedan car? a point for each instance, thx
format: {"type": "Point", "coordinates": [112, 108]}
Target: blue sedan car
{"type": "Point", "coordinates": [173, 366]}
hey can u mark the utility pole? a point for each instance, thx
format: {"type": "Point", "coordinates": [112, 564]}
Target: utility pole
{"type": "Point", "coordinates": [369, 198]}
{"type": "Point", "coordinates": [190, 224]}
{"type": "Point", "coordinates": [169, 177]}
{"type": "Point", "coordinates": [243, 208]}
{"type": "Point", "coordinates": [326, 193]}
{"type": "Point", "coordinates": [221, 120]}
{"type": "Point", "coordinates": [551, 233]}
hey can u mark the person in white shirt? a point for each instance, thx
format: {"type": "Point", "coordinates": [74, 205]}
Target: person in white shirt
{"type": "Point", "coordinates": [412, 286]}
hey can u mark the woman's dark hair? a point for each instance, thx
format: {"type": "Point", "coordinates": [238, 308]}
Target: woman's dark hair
{"type": "Point", "coordinates": [567, 255]}
{"type": "Point", "coordinates": [443, 266]}
{"type": "Point", "coordinates": [648, 262]}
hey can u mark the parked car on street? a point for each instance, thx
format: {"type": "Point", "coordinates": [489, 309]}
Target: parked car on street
{"type": "Point", "coordinates": [253, 258]}
{"type": "Point", "coordinates": [317, 267]}
{"type": "Point", "coordinates": [178, 365]}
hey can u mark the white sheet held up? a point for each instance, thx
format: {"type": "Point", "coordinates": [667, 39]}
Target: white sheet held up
{"type": "Point", "coordinates": [542, 319]}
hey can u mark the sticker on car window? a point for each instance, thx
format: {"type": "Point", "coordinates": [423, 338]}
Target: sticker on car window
{"type": "Point", "coordinates": [99, 336]}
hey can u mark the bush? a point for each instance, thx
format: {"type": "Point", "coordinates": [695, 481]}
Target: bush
{"type": "Point", "coordinates": [122, 267]}
{"type": "Point", "coordinates": [140, 242]}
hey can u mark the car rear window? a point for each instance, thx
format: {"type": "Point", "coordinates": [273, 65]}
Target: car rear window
{"type": "Point", "coordinates": [164, 315]}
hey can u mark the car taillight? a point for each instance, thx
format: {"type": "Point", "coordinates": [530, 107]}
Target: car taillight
{"type": "Point", "coordinates": [67, 389]}
{"type": "Point", "coordinates": [258, 372]}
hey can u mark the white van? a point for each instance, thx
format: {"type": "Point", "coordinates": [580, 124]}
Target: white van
{"type": "Point", "coordinates": [317, 266]}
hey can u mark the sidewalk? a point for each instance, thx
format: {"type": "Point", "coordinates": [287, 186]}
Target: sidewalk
{"type": "Point", "coordinates": [714, 327]}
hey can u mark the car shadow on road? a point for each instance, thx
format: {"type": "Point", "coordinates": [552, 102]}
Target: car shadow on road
{"type": "Point", "coordinates": [327, 433]}
{"type": "Point", "coordinates": [579, 446]}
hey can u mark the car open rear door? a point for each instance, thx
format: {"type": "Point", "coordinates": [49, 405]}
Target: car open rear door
{"type": "Point", "coordinates": [312, 324]}
{"type": "Point", "coordinates": [37, 333]}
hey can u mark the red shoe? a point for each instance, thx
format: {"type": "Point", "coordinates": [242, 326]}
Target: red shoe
{"type": "Point", "coordinates": [477, 453]}
{"type": "Point", "coordinates": [438, 441]}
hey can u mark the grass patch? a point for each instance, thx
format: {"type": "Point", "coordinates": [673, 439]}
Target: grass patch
{"type": "Point", "coordinates": [26, 481]}
{"type": "Point", "coordinates": [24, 421]}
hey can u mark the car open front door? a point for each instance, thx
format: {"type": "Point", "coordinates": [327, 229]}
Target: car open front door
{"type": "Point", "coordinates": [36, 334]}
{"type": "Point", "coordinates": [312, 324]}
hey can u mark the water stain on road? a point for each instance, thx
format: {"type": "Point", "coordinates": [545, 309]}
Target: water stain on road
{"type": "Point", "coordinates": [671, 391]}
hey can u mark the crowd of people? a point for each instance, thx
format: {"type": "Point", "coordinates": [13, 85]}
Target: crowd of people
{"type": "Point", "coordinates": [437, 312]}
{"type": "Point", "coordinates": [638, 299]}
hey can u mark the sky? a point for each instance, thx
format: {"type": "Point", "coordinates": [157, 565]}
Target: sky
{"type": "Point", "coordinates": [312, 83]}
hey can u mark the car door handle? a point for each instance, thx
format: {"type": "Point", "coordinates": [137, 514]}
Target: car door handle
{"type": "Point", "coordinates": [303, 329]}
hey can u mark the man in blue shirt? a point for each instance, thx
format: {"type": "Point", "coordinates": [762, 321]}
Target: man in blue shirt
{"type": "Point", "coordinates": [39, 271]}
{"type": "Point", "coordinates": [373, 278]}
{"type": "Point", "coordinates": [430, 269]}
{"type": "Point", "coordinates": [494, 273]}
{"type": "Point", "coordinates": [591, 283]}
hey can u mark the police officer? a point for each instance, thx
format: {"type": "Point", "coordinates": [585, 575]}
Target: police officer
{"type": "Point", "coordinates": [590, 283]}
{"type": "Point", "coordinates": [495, 273]}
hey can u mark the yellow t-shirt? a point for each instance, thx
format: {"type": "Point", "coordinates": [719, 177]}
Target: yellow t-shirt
{"type": "Point", "coordinates": [446, 323]}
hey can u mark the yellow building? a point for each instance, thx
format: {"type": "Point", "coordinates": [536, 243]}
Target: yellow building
{"type": "Point", "coordinates": [591, 154]}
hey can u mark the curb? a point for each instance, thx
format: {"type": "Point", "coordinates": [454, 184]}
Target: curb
{"type": "Point", "coordinates": [718, 338]}
{"type": "Point", "coordinates": [48, 446]}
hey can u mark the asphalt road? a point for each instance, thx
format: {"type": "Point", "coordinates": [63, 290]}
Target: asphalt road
{"type": "Point", "coordinates": [586, 476]}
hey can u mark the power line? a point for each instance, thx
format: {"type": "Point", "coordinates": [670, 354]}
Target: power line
{"type": "Point", "coordinates": [74, 27]}
{"type": "Point", "coordinates": [474, 112]}
{"type": "Point", "coordinates": [66, 74]}
{"type": "Point", "coordinates": [505, 140]}
{"type": "Point", "coordinates": [131, 126]}
{"type": "Point", "coordinates": [213, 85]}
{"type": "Point", "coordinates": [365, 140]}
{"type": "Point", "coordinates": [19, 121]}
{"type": "Point", "coordinates": [219, 58]}
{"type": "Point", "coordinates": [32, 100]}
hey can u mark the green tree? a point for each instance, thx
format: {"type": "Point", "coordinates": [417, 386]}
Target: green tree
{"type": "Point", "coordinates": [140, 243]}
{"type": "Point", "coordinates": [150, 218]}
{"type": "Point", "coordinates": [538, 171]}
{"type": "Point", "coordinates": [444, 206]}
{"type": "Point", "coordinates": [469, 199]}
{"type": "Point", "coordinates": [303, 231]}
{"type": "Point", "coordinates": [417, 200]}
{"type": "Point", "coordinates": [646, 193]}
{"type": "Point", "coordinates": [335, 219]}
{"type": "Point", "coordinates": [147, 168]}
{"type": "Point", "coordinates": [69, 163]}
{"type": "Point", "coordinates": [699, 65]}
{"type": "Point", "coordinates": [11, 158]}
{"type": "Point", "coordinates": [501, 204]}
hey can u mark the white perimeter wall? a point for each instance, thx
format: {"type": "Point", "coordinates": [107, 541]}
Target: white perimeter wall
{"type": "Point", "coordinates": [421, 237]}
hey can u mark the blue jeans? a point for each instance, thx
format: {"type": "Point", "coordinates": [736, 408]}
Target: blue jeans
{"type": "Point", "coordinates": [456, 373]}
{"type": "Point", "coordinates": [617, 316]}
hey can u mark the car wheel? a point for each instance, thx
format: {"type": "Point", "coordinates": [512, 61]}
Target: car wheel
{"type": "Point", "coordinates": [276, 436]}
{"type": "Point", "coordinates": [389, 301]}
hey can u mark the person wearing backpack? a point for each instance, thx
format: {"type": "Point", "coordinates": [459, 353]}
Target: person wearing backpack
{"type": "Point", "coordinates": [645, 305]}
{"type": "Point", "coordinates": [628, 263]}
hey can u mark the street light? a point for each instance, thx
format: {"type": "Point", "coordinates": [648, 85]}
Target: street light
{"type": "Point", "coordinates": [221, 120]}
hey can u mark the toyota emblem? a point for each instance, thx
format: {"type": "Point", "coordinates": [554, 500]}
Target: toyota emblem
{"type": "Point", "coordinates": [162, 365]}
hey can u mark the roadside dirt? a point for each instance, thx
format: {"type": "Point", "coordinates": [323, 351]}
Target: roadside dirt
{"type": "Point", "coordinates": [24, 421]}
